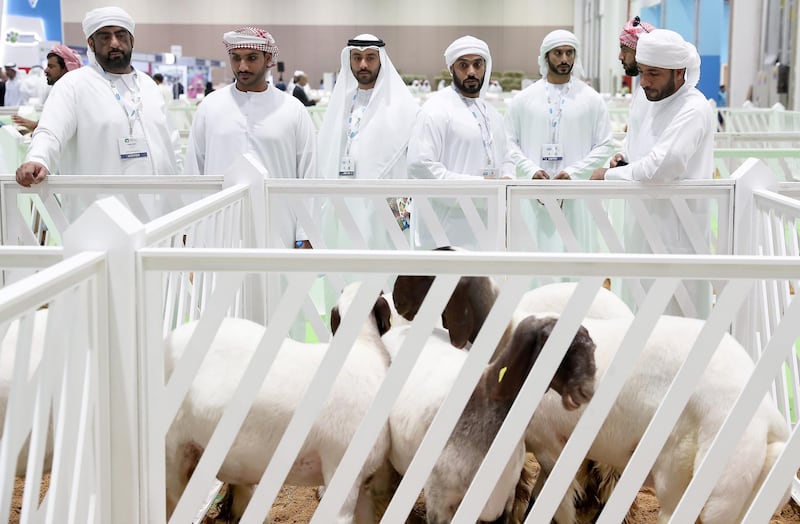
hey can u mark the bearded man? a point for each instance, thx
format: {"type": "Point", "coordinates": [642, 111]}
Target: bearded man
{"type": "Point", "coordinates": [458, 136]}
{"type": "Point", "coordinates": [558, 128]}
{"type": "Point", "coordinates": [104, 119]}
{"type": "Point", "coordinates": [365, 132]}
{"type": "Point", "coordinates": [670, 138]}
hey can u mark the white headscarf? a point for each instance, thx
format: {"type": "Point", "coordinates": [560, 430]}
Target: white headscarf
{"type": "Point", "coordinates": [469, 45]}
{"type": "Point", "coordinates": [385, 127]}
{"type": "Point", "coordinates": [107, 16]}
{"type": "Point", "coordinates": [555, 39]}
{"type": "Point", "coordinates": [668, 50]}
{"type": "Point", "coordinates": [104, 17]}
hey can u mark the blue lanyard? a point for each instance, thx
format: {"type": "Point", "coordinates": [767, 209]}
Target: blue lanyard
{"type": "Point", "coordinates": [553, 112]}
{"type": "Point", "coordinates": [132, 114]}
{"type": "Point", "coordinates": [354, 121]}
{"type": "Point", "coordinates": [483, 125]}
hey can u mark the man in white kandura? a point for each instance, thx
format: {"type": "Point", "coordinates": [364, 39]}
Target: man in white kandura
{"type": "Point", "coordinates": [60, 60]}
{"type": "Point", "coordinates": [365, 133]}
{"type": "Point", "coordinates": [104, 119]}
{"type": "Point", "coordinates": [457, 136]}
{"type": "Point", "coordinates": [250, 116]}
{"type": "Point", "coordinates": [558, 128]}
{"type": "Point", "coordinates": [671, 138]}
{"type": "Point", "coordinates": [13, 84]}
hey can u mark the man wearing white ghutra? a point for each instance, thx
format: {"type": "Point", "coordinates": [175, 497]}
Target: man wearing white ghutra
{"type": "Point", "coordinates": [458, 136]}
{"type": "Point", "coordinates": [104, 119]}
{"type": "Point", "coordinates": [558, 128]}
{"type": "Point", "coordinates": [364, 136]}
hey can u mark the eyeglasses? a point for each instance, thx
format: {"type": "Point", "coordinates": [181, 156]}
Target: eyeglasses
{"type": "Point", "coordinates": [638, 22]}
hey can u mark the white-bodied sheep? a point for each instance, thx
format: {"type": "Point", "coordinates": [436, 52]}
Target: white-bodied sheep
{"type": "Point", "coordinates": [430, 381]}
{"type": "Point", "coordinates": [554, 297]}
{"type": "Point", "coordinates": [282, 390]}
{"type": "Point", "coordinates": [722, 382]}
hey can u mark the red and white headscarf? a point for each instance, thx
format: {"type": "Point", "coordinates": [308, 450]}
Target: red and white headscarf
{"type": "Point", "coordinates": [252, 38]}
{"type": "Point", "coordinates": [629, 36]}
{"type": "Point", "coordinates": [70, 57]}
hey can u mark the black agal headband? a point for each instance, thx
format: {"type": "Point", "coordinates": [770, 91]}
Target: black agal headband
{"type": "Point", "coordinates": [366, 43]}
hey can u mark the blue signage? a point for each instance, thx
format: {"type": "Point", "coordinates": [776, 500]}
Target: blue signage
{"type": "Point", "coordinates": [49, 11]}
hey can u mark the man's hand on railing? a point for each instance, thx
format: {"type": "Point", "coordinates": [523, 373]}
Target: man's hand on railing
{"type": "Point", "coordinates": [28, 124]}
{"type": "Point", "coordinates": [31, 173]}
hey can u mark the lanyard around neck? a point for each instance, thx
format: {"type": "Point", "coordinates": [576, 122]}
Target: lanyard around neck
{"type": "Point", "coordinates": [131, 113]}
{"type": "Point", "coordinates": [556, 107]}
{"type": "Point", "coordinates": [354, 120]}
{"type": "Point", "coordinates": [483, 125]}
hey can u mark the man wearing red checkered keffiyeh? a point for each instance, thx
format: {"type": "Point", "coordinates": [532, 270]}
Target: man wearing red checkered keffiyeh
{"type": "Point", "coordinates": [628, 39]}
{"type": "Point", "coordinates": [252, 38]}
{"type": "Point", "coordinates": [255, 118]}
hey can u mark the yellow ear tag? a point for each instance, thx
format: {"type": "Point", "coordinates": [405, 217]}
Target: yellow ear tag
{"type": "Point", "coordinates": [502, 374]}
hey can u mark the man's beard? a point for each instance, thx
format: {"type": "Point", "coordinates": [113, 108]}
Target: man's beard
{"type": "Point", "coordinates": [554, 69]}
{"type": "Point", "coordinates": [118, 62]}
{"type": "Point", "coordinates": [660, 94]}
{"type": "Point", "coordinates": [468, 90]}
{"type": "Point", "coordinates": [362, 80]}
{"type": "Point", "coordinates": [631, 69]}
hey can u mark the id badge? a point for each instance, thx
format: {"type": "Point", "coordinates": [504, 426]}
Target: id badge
{"type": "Point", "coordinates": [489, 172]}
{"type": "Point", "coordinates": [132, 147]}
{"type": "Point", "coordinates": [347, 167]}
{"type": "Point", "coordinates": [552, 152]}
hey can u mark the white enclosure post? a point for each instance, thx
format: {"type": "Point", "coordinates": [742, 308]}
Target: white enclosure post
{"type": "Point", "coordinates": [108, 226]}
{"type": "Point", "coordinates": [248, 170]}
{"type": "Point", "coordinates": [753, 175]}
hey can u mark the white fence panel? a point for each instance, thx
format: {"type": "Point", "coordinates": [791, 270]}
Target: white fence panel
{"type": "Point", "coordinates": [762, 140]}
{"type": "Point", "coordinates": [17, 262]}
{"type": "Point", "coordinates": [778, 230]}
{"type": "Point", "coordinates": [783, 162]}
{"type": "Point", "coordinates": [54, 393]}
{"type": "Point", "coordinates": [39, 215]}
{"type": "Point", "coordinates": [612, 217]}
{"type": "Point", "coordinates": [378, 269]}
{"type": "Point", "coordinates": [759, 120]}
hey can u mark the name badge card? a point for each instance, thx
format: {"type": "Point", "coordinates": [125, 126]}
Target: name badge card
{"type": "Point", "coordinates": [490, 172]}
{"type": "Point", "coordinates": [552, 152]}
{"type": "Point", "coordinates": [347, 167]}
{"type": "Point", "coordinates": [132, 147]}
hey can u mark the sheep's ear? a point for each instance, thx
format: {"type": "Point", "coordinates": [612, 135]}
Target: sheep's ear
{"type": "Point", "coordinates": [383, 315]}
{"type": "Point", "coordinates": [459, 323]}
{"type": "Point", "coordinates": [458, 317]}
{"type": "Point", "coordinates": [408, 293]}
{"type": "Point", "coordinates": [336, 319]}
{"type": "Point", "coordinates": [515, 361]}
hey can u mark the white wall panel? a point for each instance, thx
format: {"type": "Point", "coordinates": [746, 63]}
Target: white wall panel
{"type": "Point", "coordinates": [352, 12]}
